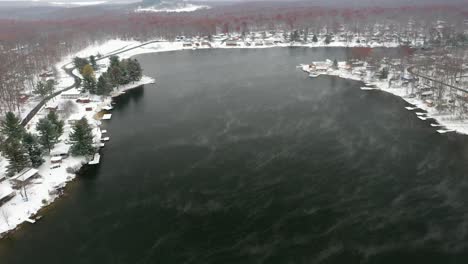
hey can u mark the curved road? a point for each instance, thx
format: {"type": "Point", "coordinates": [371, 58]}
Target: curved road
{"type": "Point", "coordinates": [77, 82]}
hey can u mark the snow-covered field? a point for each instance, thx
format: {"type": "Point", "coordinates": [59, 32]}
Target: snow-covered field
{"type": "Point", "coordinates": [43, 190]}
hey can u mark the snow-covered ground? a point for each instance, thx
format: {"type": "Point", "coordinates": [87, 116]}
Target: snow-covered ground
{"type": "Point", "coordinates": [445, 122]}
{"type": "Point", "coordinates": [173, 9]}
{"type": "Point", "coordinates": [43, 190]}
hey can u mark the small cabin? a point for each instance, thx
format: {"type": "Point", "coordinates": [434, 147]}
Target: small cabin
{"type": "Point", "coordinates": [83, 100]}
{"type": "Point", "coordinates": [25, 176]}
{"type": "Point", "coordinates": [23, 98]}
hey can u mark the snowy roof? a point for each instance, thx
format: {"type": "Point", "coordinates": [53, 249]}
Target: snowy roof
{"type": "Point", "coordinates": [72, 91]}
{"type": "Point", "coordinates": [56, 159]}
{"type": "Point", "coordinates": [52, 105]}
{"type": "Point", "coordinates": [106, 116]}
{"type": "Point", "coordinates": [25, 174]}
{"type": "Point", "coordinates": [5, 190]}
{"type": "Point", "coordinates": [76, 116]}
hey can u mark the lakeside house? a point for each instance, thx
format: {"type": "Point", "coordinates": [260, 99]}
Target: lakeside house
{"type": "Point", "coordinates": [71, 94]}
{"type": "Point", "coordinates": [25, 176]}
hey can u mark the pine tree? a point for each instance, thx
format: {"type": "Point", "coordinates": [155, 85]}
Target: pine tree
{"type": "Point", "coordinates": [114, 61]}
{"type": "Point", "coordinates": [40, 89]}
{"type": "Point", "coordinates": [16, 155]}
{"type": "Point", "coordinates": [115, 75]}
{"type": "Point", "coordinates": [49, 86]}
{"type": "Point", "coordinates": [134, 70]}
{"type": "Point", "coordinates": [103, 87]}
{"type": "Point", "coordinates": [383, 73]}
{"type": "Point", "coordinates": [89, 84]}
{"type": "Point", "coordinates": [314, 38]}
{"type": "Point", "coordinates": [92, 61]}
{"type": "Point", "coordinates": [11, 127]}
{"type": "Point", "coordinates": [47, 133]}
{"type": "Point", "coordinates": [335, 64]}
{"type": "Point", "coordinates": [328, 39]}
{"type": "Point", "coordinates": [82, 138]}
{"type": "Point", "coordinates": [33, 149]}
{"type": "Point", "coordinates": [58, 124]}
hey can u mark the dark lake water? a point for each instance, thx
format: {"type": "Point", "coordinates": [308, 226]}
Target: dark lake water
{"type": "Point", "coordinates": [236, 156]}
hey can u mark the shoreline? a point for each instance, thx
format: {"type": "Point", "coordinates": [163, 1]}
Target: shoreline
{"type": "Point", "coordinates": [441, 122]}
{"type": "Point", "coordinates": [126, 51]}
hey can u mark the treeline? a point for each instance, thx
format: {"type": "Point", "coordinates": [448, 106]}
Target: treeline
{"type": "Point", "coordinates": [29, 47]}
{"type": "Point", "coordinates": [24, 149]}
{"type": "Point", "coordinates": [119, 72]}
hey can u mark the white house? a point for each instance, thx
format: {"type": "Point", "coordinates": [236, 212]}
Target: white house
{"type": "Point", "coordinates": [71, 94]}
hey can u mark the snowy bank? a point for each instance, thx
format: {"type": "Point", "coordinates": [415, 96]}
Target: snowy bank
{"type": "Point", "coordinates": [45, 189]}
{"type": "Point", "coordinates": [442, 122]}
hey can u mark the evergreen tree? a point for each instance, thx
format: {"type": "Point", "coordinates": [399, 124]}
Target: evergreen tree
{"type": "Point", "coordinates": [11, 127]}
{"type": "Point", "coordinates": [335, 64]}
{"type": "Point", "coordinates": [115, 74]}
{"type": "Point", "coordinates": [40, 89]}
{"type": "Point", "coordinates": [114, 61]}
{"type": "Point", "coordinates": [89, 84]}
{"type": "Point", "coordinates": [47, 133]}
{"type": "Point", "coordinates": [103, 87]}
{"type": "Point", "coordinates": [54, 119]}
{"type": "Point", "coordinates": [16, 155]}
{"type": "Point", "coordinates": [134, 70]}
{"type": "Point", "coordinates": [82, 138]}
{"type": "Point", "coordinates": [33, 149]}
{"type": "Point", "coordinates": [314, 38]}
{"type": "Point", "coordinates": [328, 39]}
{"type": "Point", "coordinates": [383, 73]}
{"type": "Point", "coordinates": [92, 61]}
{"type": "Point", "coordinates": [50, 86]}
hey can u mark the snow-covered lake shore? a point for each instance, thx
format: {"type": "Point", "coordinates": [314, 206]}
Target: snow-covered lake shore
{"type": "Point", "coordinates": [44, 190]}
{"type": "Point", "coordinates": [442, 122]}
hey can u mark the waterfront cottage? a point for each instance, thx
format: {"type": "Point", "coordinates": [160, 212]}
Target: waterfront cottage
{"type": "Point", "coordinates": [71, 94]}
